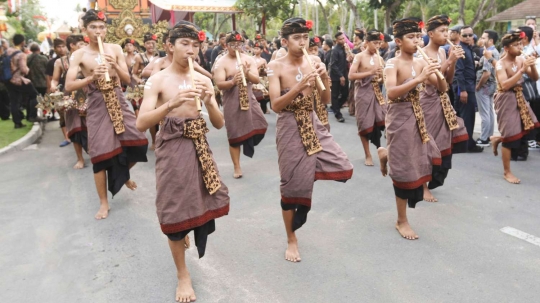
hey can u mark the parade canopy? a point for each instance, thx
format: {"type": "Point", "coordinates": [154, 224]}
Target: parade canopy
{"type": "Point", "coordinates": [208, 6]}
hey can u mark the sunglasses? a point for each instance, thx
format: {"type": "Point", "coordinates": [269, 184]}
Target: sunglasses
{"type": "Point", "coordinates": [467, 35]}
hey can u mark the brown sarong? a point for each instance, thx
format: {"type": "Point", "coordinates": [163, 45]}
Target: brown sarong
{"type": "Point", "coordinates": [184, 201]}
{"type": "Point", "coordinates": [76, 128]}
{"type": "Point", "coordinates": [298, 169]}
{"type": "Point", "coordinates": [411, 159]}
{"type": "Point", "coordinates": [370, 109]}
{"type": "Point", "coordinates": [514, 115]}
{"type": "Point", "coordinates": [244, 127]}
{"type": "Point", "coordinates": [107, 149]}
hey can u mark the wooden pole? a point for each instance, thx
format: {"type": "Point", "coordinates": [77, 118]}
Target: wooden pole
{"type": "Point", "coordinates": [241, 67]}
{"type": "Point", "coordinates": [192, 79]}
{"type": "Point", "coordinates": [319, 80]}
{"type": "Point", "coordinates": [438, 72]}
{"type": "Point", "coordinates": [102, 55]}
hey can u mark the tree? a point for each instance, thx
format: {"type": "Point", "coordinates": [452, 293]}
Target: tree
{"type": "Point", "coordinates": [25, 16]}
{"type": "Point", "coordinates": [391, 8]}
{"type": "Point", "coordinates": [267, 9]}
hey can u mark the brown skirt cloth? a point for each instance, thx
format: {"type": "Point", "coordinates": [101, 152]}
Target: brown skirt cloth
{"type": "Point", "coordinates": [350, 98]}
{"type": "Point", "coordinates": [411, 162]}
{"type": "Point", "coordinates": [509, 119]}
{"type": "Point", "coordinates": [107, 150]}
{"type": "Point", "coordinates": [76, 128]}
{"type": "Point", "coordinates": [438, 128]}
{"type": "Point", "coordinates": [369, 113]}
{"type": "Point", "coordinates": [244, 127]}
{"type": "Point", "coordinates": [298, 171]}
{"type": "Point", "coordinates": [183, 202]}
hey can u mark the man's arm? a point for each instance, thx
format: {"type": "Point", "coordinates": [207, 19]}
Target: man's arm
{"type": "Point", "coordinates": [215, 115]}
{"type": "Point", "coordinates": [22, 64]}
{"type": "Point", "coordinates": [220, 78]}
{"type": "Point", "coordinates": [156, 66]}
{"type": "Point", "coordinates": [149, 115]}
{"type": "Point", "coordinates": [323, 74]}
{"type": "Point", "coordinates": [72, 83]}
{"type": "Point", "coordinates": [459, 74]}
{"type": "Point", "coordinates": [57, 72]}
{"type": "Point", "coordinates": [147, 71]}
{"type": "Point", "coordinates": [252, 74]}
{"type": "Point", "coordinates": [448, 66]}
{"type": "Point", "coordinates": [119, 65]}
{"type": "Point", "coordinates": [198, 68]}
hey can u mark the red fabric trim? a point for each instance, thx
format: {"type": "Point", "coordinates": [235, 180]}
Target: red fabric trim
{"type": "Point", "coordinates": [335, 175]}
{"type": "Point", "coordinates": [370, 130]}
{"type": "Point", "coordinates": [302, 201]}
{"type": "Point", "coordinates": [412, 185]}
{"type": "Point", "coordinates": [436, 161]}
{"type": "Point", "coordinates": [195, 222]}
{"type": "Point", "coordinates": [140, 142]}
{"type": "Point", "coordinates": [460, 138]}
{"type": "Point", "coordinates": [446, 152]}
{"type": "Point", "coordinates": [366, 131]}
{"type": "Point", "coordinates": [76, 130]}
{"type": "Point", "coordinates": [106, 156]}
{"type": "Point", "coordinates": [247, 136]}
{"type": "Point", "coordinates": [520, 135]}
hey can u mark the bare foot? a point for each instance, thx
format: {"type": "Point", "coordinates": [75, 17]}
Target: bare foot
{"type": "Point", "coordinates": [153, 146]}
{"type": "Point", "coordinates": [428, 196]}
{"type": "Point", "coordinates": [292, 254]}
{"type": "Point", "coordinates": [383, 158]}
{"type": "Point", "coordinates": [237, 173]}
{"type": "Point", "coordinates": [79, 165]}
{"type": "Point", "coordinates": [406, 231]}
{"type": "Point", "coordinates": [509, 176]}
{"type": "Point", "coordinates": [495, 140]}
{"type": "Point", "coordinates": [131, 184]}
{"type": "Point", "coordinates": [184, 290]}
{"type": "Point", "coordinates": [103, 212]}
{"type": "Point", "coordinates": [368, 162]}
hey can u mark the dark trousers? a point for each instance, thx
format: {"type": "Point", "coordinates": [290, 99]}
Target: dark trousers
{"type": "Point", "coordinates": [19, 93]}
{"type": "Point", "coordinates": [467, 112]}
{"type": "Point", "coordinates": [339, 96]}
{"type": "Point", "coordinates": [4, 105]}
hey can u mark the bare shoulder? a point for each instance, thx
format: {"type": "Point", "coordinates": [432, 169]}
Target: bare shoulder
{"type": "Point", "coordinates": [156, 79]}
{"type": "Point", "coordinates": [275, 64]}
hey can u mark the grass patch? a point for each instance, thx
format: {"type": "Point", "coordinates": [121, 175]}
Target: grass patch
{"type": "Point", "coordinates": [8, 134]}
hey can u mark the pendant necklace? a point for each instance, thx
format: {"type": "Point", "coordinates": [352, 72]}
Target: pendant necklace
{"type": "Point", "coordinates": [514, 67]}
{"type": "Point", "coordinates": [413, 71]}
{"type": "Point", "coordinates": [371, 62]}
{"type": "Point", "coordinates": [299, 76]}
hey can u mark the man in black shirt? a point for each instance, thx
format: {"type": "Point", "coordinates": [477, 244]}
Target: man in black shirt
{"type": "Point", "coordinates": [464, 87]}
{"type": "Point", "coordinates": [339, 71]}
{"type": "Point", "coordinates": [217, 49]}
{"type": "Point", "coordinates": [327, 48]}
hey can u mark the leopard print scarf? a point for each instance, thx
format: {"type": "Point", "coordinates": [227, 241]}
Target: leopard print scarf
{"type": "Point", "coordinates": [413, 96]}
{"type": "Point", "coordinates": [377, 90]}
{"type": "Point", "coordinates": [524, 113]}
{"type": "Point", "coordinates": [112, 103]}
{"type": "Point", "coordinates": [448, 111]}
{"type": "Point", "coordinates": [302, 106]}
{"type": "Point", "coordinates": [196, 131]}
{"type": "Point", "coordinates": [243, 95]}
{"type": "Point", "coordinates": [320, 108]}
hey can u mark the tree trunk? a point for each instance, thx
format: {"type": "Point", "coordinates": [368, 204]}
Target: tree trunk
{"type": "Point", "coordinates": [330, 31]}
{"type": "Point", "coordinates": [354, 10]}
{"type": "Point", "coordinates": [461, 18]}
{"type": "Point", "coordinates": [482, 11]}
{"type": "Point", "coordinates": [407, 10]}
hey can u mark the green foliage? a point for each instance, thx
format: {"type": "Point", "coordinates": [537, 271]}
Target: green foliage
{"type": "Point", "coordinates": [26, 24]}
{"type": "Point", "coordinates": [282, 9]}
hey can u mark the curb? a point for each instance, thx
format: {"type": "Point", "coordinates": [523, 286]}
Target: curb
{"type": "Point", "coordinates": [28, 139]}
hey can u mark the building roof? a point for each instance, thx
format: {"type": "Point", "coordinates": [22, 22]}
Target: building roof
{"type": "Point", "coordinates": [520, 11]}
{"type": "Point", "coordinates": [210, 6]}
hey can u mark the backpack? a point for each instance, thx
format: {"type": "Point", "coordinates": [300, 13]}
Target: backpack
{"type": "Point", "coordinates": [5, 66]}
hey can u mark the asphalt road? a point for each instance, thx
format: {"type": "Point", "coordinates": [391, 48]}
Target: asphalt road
{"type": "Point", "coordinates": [53, 250]}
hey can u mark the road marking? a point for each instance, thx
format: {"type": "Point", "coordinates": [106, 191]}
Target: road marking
{"type": "Point", "coordinates": [521, 235]}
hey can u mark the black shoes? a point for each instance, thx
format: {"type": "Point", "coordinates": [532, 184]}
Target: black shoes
{"type": "Point", "coordinates": [476, 149]}
{"type": "Point", "coordinates": [340, 119]}
{"type": "Point", "coordinates": [20, 125]}
{"type": "Point", "coordinates": [481, 142]}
